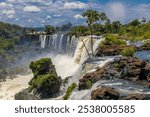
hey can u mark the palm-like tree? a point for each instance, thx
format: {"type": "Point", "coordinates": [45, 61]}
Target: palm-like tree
{"type": "Point", "coordinates": [103, 16]}
{"type": "Point", "coordinates": [92, 17]}
{"type": "Point", "coordinates": [78, 31]}
{"type": "Point", "coordinates": [50, 29]}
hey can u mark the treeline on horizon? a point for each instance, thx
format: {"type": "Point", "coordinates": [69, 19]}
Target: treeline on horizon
{"type": "Point", "coordinates": [101, 25]}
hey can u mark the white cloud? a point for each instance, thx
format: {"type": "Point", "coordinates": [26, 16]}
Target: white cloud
{"type": "Point", "coordinates": [17, 19]}
{"type": "Point", "coordinates": [78, 16]}
{"type": "Point", "coordinates": [31, 9]}
{"type": "Point", "coordinates": [48, 17]}
{"type": "Point", "coordinates": [56, 15]}
{"type": "Point", "coordinates": [75, 5]}
{"type": "Point", "coordinates": [7, 10]}
{"type": "Point", "coordinates": [10, 16]}
{"type": "Point", "coordinates": [116, 10]}
{"type": "Point", "coordinates": [29, 20]}
{"type": "Point", "coordinates": [4, 5]}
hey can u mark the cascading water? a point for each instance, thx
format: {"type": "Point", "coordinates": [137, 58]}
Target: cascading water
{"type": "Point", "coordinates": [59, 42]}
{"type": "Point", "coordinates": [43, 40]}
{"type": "Point", "coordinates": [64, 63]}
{"type": "Point", "coordinates": [81, 53]}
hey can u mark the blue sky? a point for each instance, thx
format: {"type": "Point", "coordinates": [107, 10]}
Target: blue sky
{"type": "Point", "coordinates": [37, 13]}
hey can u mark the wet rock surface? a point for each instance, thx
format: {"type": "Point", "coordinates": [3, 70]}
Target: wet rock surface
{"type": "Point", "coordinates": [126, 68]}
{"type": "Point", "coordinates": [135, 96]}
{"type": "Point", "coordinates": [105, 93]}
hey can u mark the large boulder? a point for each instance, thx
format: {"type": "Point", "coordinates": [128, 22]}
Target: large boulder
{"type": "Point", "coordinates": [134, 69]}
{"type": "Point", "coordinates": [105, 93]}
{"type": "Point", "coordinates": [45, 83]}
{"type": "Point", "coordinates": [89, 79]}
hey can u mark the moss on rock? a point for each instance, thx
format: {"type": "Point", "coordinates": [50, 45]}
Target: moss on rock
{"type": "Point", "coordinates": [69, 91]}
{"type": "Point", "coordinates": [45, 82]}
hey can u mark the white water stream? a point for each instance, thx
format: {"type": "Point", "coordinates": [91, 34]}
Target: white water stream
{"type": "Point", "coordinates": [65, 64]}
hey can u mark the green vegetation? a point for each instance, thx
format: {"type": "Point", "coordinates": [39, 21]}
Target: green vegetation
{"type": "Point", "coordinates": [129, 52]}
{"type": "Point", "coordinates": [93, 17]}
{"type": "Point", "coordinates": [111, 39]}
{"type": "Point", "coordinates": [50, 29]}
{"type": "Point", "coordinates": [88, 84]}
{"type": "Point", "coordinates": [69, 91]}
{"type": "Point", "coordinates": [65, 81]}
{"type": "Point", "coordinates": [41, 66]}
{"type": "Point", "coordinates": [116, 65]}
{"type": "Point", "coordinates": [45, 81]}
{"type": "Point", "coordinates": [10, 35]}
{"type": "Point", "coordinates": [147, 43]}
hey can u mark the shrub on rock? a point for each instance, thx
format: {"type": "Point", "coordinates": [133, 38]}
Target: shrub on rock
{"type": "Point", "coordinates": [129, 52]}
{"type": "Point", "coordinates": [45, 82]}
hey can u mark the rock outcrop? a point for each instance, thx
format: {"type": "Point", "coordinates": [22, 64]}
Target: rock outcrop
{"type": "Point", "coordinates": [110, 50]}
{"type": "Point", "coordinates": [135, 96]}
{"type": "Point", "coordinates": [90, 78]}
{"type": "Point", "coordinates": [127, 68]}
{"type": "Point", "coordinates": [45, 83]}
{"type": "Point", "coordinates": [105, 93]}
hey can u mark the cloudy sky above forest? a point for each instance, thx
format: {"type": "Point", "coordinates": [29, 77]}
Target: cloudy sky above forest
{"type": "Point", "coordinates": [37, 13]}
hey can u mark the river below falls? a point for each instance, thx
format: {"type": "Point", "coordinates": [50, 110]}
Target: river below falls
{"type": "Point", "coordinates": [65, 67]}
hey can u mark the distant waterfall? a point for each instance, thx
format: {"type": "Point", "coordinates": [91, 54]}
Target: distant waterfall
{"type": "Point", "coordinates": [43, 40]}
{"type": "Point", "coordinates": [59, 42]}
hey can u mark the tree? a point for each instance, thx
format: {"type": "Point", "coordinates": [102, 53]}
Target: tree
{"type": "Point", "coordinates": [92, 17]}
{"type": "Point", "coordinates": [116, 25]}
{"type": "Point", "coordinates": [103, 16]}
{"type": "Point", "coordinates": [78, 31]}
{"type": "Point", "coordinates": [135, 22]}
{"type": "Point", "coordinates": [50, 29]}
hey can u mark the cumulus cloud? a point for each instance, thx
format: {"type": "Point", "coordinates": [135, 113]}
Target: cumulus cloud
{"type": "Point", "coordinates": [59, 12]}
{"type": "Point", "coordinates": [48, 17]}
{"type": "Point", "coordinates": [78, 16]}
{"type": "Point", "coordinates": [7, 10]}
{"type": "Point", "coordinates": [31, 9]}
{"type": "Point", "coordinates": [75, 5]}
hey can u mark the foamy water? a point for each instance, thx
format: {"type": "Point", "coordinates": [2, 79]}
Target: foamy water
{"type": "Point", "coordinates": [10, 87]}
{"type": "Point", "coordinates": [64, 65]}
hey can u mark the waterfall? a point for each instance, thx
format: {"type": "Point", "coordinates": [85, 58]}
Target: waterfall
{"type": "Point", "coordinates": [59, 42]}
{"type": "Point", "coordinates": [43, 40]}
{"type": "Point", "coordinates": [81, 54]}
